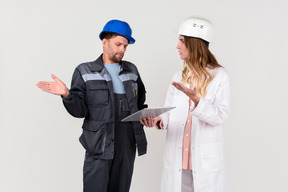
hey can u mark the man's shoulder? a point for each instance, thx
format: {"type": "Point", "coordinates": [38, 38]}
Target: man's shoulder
{"type": "Point", "coordinates": [84, 67]}
{"type": "Point", "coordinates": [127, 65]}
{"type": "Point", "coordinates": [85, 64]}
{"type": "Point", "coordinates": [91, 66]}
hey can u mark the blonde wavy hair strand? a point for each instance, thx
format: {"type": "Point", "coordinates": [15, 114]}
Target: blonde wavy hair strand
{"type": "Point", "coordinates": [196, 66]}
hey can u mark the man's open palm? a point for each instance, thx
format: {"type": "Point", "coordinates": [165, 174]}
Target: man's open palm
{"type": "Point", "coordinates": [56, 88]}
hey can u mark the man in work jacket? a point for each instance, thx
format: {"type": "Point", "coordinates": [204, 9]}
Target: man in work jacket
{"type": "Point", "coordinates": [103, 92]}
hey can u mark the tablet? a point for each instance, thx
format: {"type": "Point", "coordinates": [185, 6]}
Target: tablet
{"type": "Point", "coordinates": [147, 112]}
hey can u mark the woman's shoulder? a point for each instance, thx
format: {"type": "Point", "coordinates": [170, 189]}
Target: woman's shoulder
{"type": "Point", "coordinates": [218, 72]}
{"type": "Point", "coordinates": [177, 76]}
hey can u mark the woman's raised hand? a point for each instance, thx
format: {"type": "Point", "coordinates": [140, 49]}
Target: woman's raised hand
{"type": "Point", "coordinates": [191, 93]}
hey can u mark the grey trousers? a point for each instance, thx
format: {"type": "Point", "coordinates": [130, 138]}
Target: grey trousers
{"type": "Point", "coordinates": [187, 181]}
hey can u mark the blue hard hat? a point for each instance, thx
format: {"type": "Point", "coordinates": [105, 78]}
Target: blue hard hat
{"type": "Point", "coordinates": [119, 27]}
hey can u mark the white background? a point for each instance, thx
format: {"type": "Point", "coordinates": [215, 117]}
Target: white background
{"type": "Point", "coordinates": [39, 146]}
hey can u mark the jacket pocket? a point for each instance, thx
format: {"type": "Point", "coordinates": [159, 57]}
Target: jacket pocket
{"type": "Point", "coordinates": [134, 89]}
{"type": "Point", "coordinates": [211, 157]}
{"type": "Point", "coordinates": [97, 98]}
{"type": "Point", "coordinates": [93, 137]}
{"type": "Point", "coordinates": [97, 95]}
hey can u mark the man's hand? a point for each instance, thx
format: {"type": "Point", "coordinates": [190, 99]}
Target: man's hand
{"type": "Point", "coordinates": [56, 88]}
{"type": "Point", "coordinates": [151, 122]}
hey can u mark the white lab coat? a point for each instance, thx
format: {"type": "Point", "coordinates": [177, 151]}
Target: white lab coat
{"type": "Point", "coordinates": [207, 143]}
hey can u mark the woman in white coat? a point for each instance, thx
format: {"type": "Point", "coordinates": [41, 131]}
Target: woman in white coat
{"type": "Point", "coordinates": [194, 149]}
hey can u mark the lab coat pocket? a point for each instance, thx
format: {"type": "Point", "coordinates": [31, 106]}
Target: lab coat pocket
{"type": "Point", "coordinates": [169, 158]}
{"type": "Point", "coordinates": [211, 157]}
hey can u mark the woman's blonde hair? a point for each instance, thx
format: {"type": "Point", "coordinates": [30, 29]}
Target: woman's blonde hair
{"type": "Point", "coordinates": [196, 65]}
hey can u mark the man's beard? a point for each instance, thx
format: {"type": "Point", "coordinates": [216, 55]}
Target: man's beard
{"type": "Point", "coordinates": [116, 59]}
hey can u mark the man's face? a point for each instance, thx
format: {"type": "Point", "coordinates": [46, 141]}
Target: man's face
{"type": "Point", "coordinates": [114, 49]}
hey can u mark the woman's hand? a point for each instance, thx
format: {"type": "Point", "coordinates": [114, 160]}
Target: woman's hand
{"type": "Point", "coordinates": [152, 122]}
{"type": "Point", "coordinates": [191, 93]}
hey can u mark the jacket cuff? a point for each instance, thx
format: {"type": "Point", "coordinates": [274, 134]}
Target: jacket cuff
{"type": "Point", "coordinates": [69, 99]}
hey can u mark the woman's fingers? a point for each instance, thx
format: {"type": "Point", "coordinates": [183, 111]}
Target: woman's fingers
{"type": "Point", "coordinates": [178, 85]}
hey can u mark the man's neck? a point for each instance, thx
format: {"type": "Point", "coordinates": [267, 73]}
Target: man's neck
{"type": "Point", "coordinates": [105, 59]}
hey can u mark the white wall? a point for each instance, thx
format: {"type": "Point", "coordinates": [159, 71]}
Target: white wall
{"type": "Point", "coordinates": [39, 140]}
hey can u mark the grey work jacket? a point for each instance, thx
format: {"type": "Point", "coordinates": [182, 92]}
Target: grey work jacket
{"type": "Point", "coordinates": [92, 97]}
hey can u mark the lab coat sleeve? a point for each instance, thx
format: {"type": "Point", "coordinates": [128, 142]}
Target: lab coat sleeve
{"type": "Point", "coordinates": [216, 112]}
{"type": "Point", "coordinates": [169, 102]}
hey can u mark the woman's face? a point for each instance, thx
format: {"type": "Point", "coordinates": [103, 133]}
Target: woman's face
{"type": "Point", "coordinates": [183, 50]}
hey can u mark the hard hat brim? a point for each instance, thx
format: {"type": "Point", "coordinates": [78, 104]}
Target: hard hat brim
{"type": "Point", "coordinates": [129, 38]}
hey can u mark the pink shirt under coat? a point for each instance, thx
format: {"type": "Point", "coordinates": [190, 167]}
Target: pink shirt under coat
{"type": "Point", "coordinates": [186, 147]}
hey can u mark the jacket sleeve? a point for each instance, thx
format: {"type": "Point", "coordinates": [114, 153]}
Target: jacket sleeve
{"type": "Point", "coordinates": [215, 113]}
{"type": "Point", "coordinates": [141, 94]}
{"type": "Point", "coordinates": [75, 103]}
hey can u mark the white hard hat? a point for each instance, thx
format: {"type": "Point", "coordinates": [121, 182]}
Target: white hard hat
{"type": "Point", "coordinates": [197, 27]}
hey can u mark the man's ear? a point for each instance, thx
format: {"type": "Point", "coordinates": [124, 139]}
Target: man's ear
{"type": "Point", "coordinates": [104, 42]}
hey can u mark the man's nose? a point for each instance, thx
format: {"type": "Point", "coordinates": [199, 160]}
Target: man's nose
{"type": "Point", "coordinates": [122, 49]}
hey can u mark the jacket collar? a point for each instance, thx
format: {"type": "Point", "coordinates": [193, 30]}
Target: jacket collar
{"type": "Point", "coordinates": [97, 65]}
